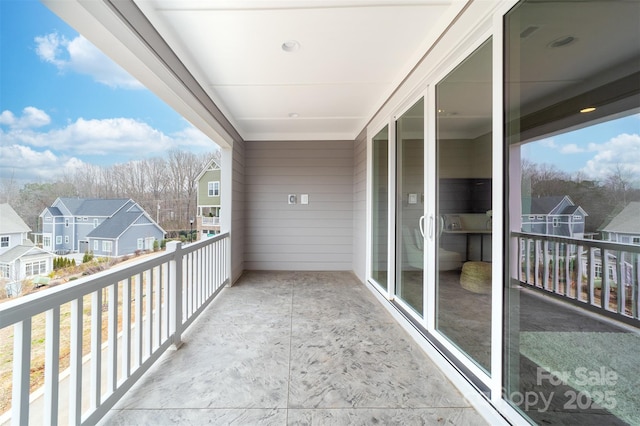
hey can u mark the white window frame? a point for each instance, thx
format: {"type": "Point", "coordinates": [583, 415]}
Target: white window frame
{"type": "Point", "coordinates": [35, 268]}
{"type": "Point", "coordinates": [58, 239]}
{"type": "Point", "coordinates": [96, 245]}
{"type": "Point", "coordinates": [95, 223]}
{"type": "Point", "coordinates": [5, 241]}
{"type": "Point", "coordinates": [140, 244]}
{"type": "Point", "coordinates": [107, 246]}
{"type": "Point", "coordinates": [213, 188]}
{"type": "Point", "coordinates": [46, 241]}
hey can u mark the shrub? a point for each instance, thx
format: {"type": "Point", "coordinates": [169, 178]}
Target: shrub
{"type": "Point", "coordinates": [88, 257]}
{"type": "Point", "coordinates": [156, 245]}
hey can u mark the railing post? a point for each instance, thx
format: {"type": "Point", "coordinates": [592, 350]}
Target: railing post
{"type": "Point", "coordinates": [175, 293]}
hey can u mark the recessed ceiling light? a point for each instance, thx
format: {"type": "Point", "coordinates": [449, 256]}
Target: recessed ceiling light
{"type": "Point", "coordinates": [587, 109]}
{"type": "Point", "coordinates": [290, 46]}
{"type": "Point", "coordinates": [562, 41]}
{"type": "Point", "coordinates": [294, 115]}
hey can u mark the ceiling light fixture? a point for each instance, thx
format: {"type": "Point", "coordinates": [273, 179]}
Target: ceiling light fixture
{"type": "Point", "coordinates": [587, 109]}
{"type": "Point", "coordinates": [290, 46]}
{"type": "Point", "coordinates": [562, 41]}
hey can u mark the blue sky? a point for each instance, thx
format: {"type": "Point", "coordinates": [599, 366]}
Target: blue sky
{"type": "Point", "coordinates": [64, 104]}
{"type": "Point", "coordinates": [594, 151]}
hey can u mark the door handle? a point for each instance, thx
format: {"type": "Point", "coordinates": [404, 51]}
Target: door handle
{"type": "Point", "coordinates": [421, 225]}
{"type": "Point", "coordinates": [431, 227]}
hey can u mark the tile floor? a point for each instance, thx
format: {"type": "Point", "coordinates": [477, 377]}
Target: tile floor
{"type": "Point", "coordinates": [295, 348]}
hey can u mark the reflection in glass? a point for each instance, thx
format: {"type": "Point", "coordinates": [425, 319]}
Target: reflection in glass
{"type": "Point", "coordinates": [573, 211]}
{"type": "Point", "coordinates": [380, 208]}
{"type": "Point", "coordinates": [464, 170]}
{"type": "Point", "coordinates": [410, 206]}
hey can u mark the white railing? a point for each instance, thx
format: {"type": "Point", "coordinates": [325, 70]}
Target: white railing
{"type": "Point", "coordinates": [208, 221]}
{"type": "Point", "coordinates": [112, 325]}
{"type": "Point", "coordinates": [601, 274]}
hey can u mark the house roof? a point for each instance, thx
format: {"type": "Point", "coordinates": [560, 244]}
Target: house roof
{"type": "Point", "coordinates": [627, 221]}
{"type": "Point", "coordinates": [544, 205]}
{"type": "Point", "coordinates": [54, 211]}
{"type": "Point", "coordinates": [114, 226]}
{"type": "Point", "coordinates": [93, 206]}
{"type": "Point", "coordinates": [26, 249]}
{"type": "Point", "coordinates": [10, 221]}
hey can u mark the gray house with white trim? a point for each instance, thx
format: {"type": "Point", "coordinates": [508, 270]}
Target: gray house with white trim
{"type": "Point", "coordinates": [107, 227]}
{"type": "Point", "coordinates": [625, 226]}
{"type": "Point", "coordinates": [555, 215]}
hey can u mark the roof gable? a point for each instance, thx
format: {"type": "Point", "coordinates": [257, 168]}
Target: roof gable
{"type": "Point", "coordinates": [10, 221]}
{"type": "Point", "coordinates": [627, 221]}
{"type": "Point", "coordinates": [94, 206]}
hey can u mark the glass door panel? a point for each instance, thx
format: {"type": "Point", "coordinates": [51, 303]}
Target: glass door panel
{"type": "Point", "coordinates": [463, 206]}
{"type": "Point", "coordinates": [410, 207]}
{"type": "Point", "coordinates": [380, 209]}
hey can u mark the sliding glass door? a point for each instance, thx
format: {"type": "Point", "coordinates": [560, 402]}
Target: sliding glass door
{"type": "Point", "coordinates": [409, 228]}
{"type": "Point", "coordinates": [463, 269]}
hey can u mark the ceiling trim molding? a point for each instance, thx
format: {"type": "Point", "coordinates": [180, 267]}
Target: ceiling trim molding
{"type": "Point", "coordinates": [129, 13]}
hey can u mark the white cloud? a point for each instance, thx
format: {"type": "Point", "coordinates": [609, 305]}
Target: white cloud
{"type": "Point", "coordinates": [82, 57]}
{"type": "Point", "coordinates": [113, 136]}
{"type": "Point", "coordinates": [621, 151]}
{"type": "Point", "coordinates": [25, 164]}
{"type": "Point", "coordinates": [31, 117]}
{"type": "Point", "coordinates": [571, 148]}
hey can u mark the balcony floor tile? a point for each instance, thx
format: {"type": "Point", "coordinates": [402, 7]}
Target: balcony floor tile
{"type": "Point", "coordinates": [295, 348]}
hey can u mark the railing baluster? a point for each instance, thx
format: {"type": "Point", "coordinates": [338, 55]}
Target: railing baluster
{"type": "Point", "coordinates": [75, 363]}
{"type": "Point", "coordinates": [579, 272]}
{"type": "Point", "coordinates": [21, 371]}
{"type": "Point", "coordinates": [112, 339]}
{"type": "Point", "coordinates": [568, 248]}
{"type": "Point", "coordinates": [52, 366]}
{"type": "Point", "coordinates": [556, 268]}
{"type": "Point", "coordinates": [621, 289]}
{"type": "Point", "coordinates": [591, 276]}
{"type": "Point", "coordinates": [606, 285]}
{"type": "Point", "coordinates": [157, 272]}
{"type": "Point", "coordinates": [148, 303]}
{"type": "Point", "coordinates": [96, 349]}
{"type": "Point", "coordinates": [138, 322]}
{"type": "Point", "coordinates": [126, 328]}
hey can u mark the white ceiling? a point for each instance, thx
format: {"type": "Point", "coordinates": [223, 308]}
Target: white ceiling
{"type": "Point", "coordinates": [352, 55]}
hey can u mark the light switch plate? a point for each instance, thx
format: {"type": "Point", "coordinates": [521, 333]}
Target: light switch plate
{"type": "Point", "coordinates": [413, 198]}
{"type": "Point", "coordinates": [304, 198]}
{"type": "Point", "coordinates": [292, 198]}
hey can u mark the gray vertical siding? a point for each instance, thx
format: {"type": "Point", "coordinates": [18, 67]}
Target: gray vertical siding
{"type": "Point", "coordinates": [238, 213]}
{"type": "Point", "coordinates": [317, 236]}
{"type": "Point", "coordinates": [360, 205]}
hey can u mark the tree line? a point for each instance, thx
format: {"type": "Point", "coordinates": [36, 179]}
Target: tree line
{"type": "Point", "coordinates": [163, 187]}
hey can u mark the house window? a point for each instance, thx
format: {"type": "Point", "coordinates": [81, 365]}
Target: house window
{"type": "Point", "coordinates": [636, 240]}
{"type": "Point", "coordinates": [540, 217]}
{"type": "Point", "coordinates": [95, 223]}
{"type": "Point", "coordinates": [556, 222]}
{"type": "Point", "coordinates": [140, 243]}
{"type": "Point", "coordinates": [47, 218]}
{"type": "Point", "coordinates": [4, 271]}
{"type": "Point", "coordinates": [85, 219]}
{"type": "Point", "coordinates": [106, 246]}
{"type": "Point", "coordinates": [66, 223]}
{"type": "Point", "coordinates": [58, 239]}
{"type": "Point", "coordinates": [577, 217]}
{"type": "Point", "coordinates": [4, 241]}
{"type": "Point", "coordinates": [36, 268]}
{"type": "Point", "coordinates": [532, 217]}
{"type": "Point", "coordinates": [46, 241]}
{"type": "Point", "coordinates": [213, 189]}
{"type": "Point", "coordinates": [598, 271]}
{"type": "Point", "coordinates": [66, 239]}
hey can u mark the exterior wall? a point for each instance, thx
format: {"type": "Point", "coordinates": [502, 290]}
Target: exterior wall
{"type": "Point", "coordinates": [15, 239]}
{"type": "Point", "coordinates": [316, 236]}
{"type": "Point", "coordinates": [237, 236]}
{"type": "Point", "coordinates": [360, 206]}
{"type": "Point", "coordinates": [128, 241]}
